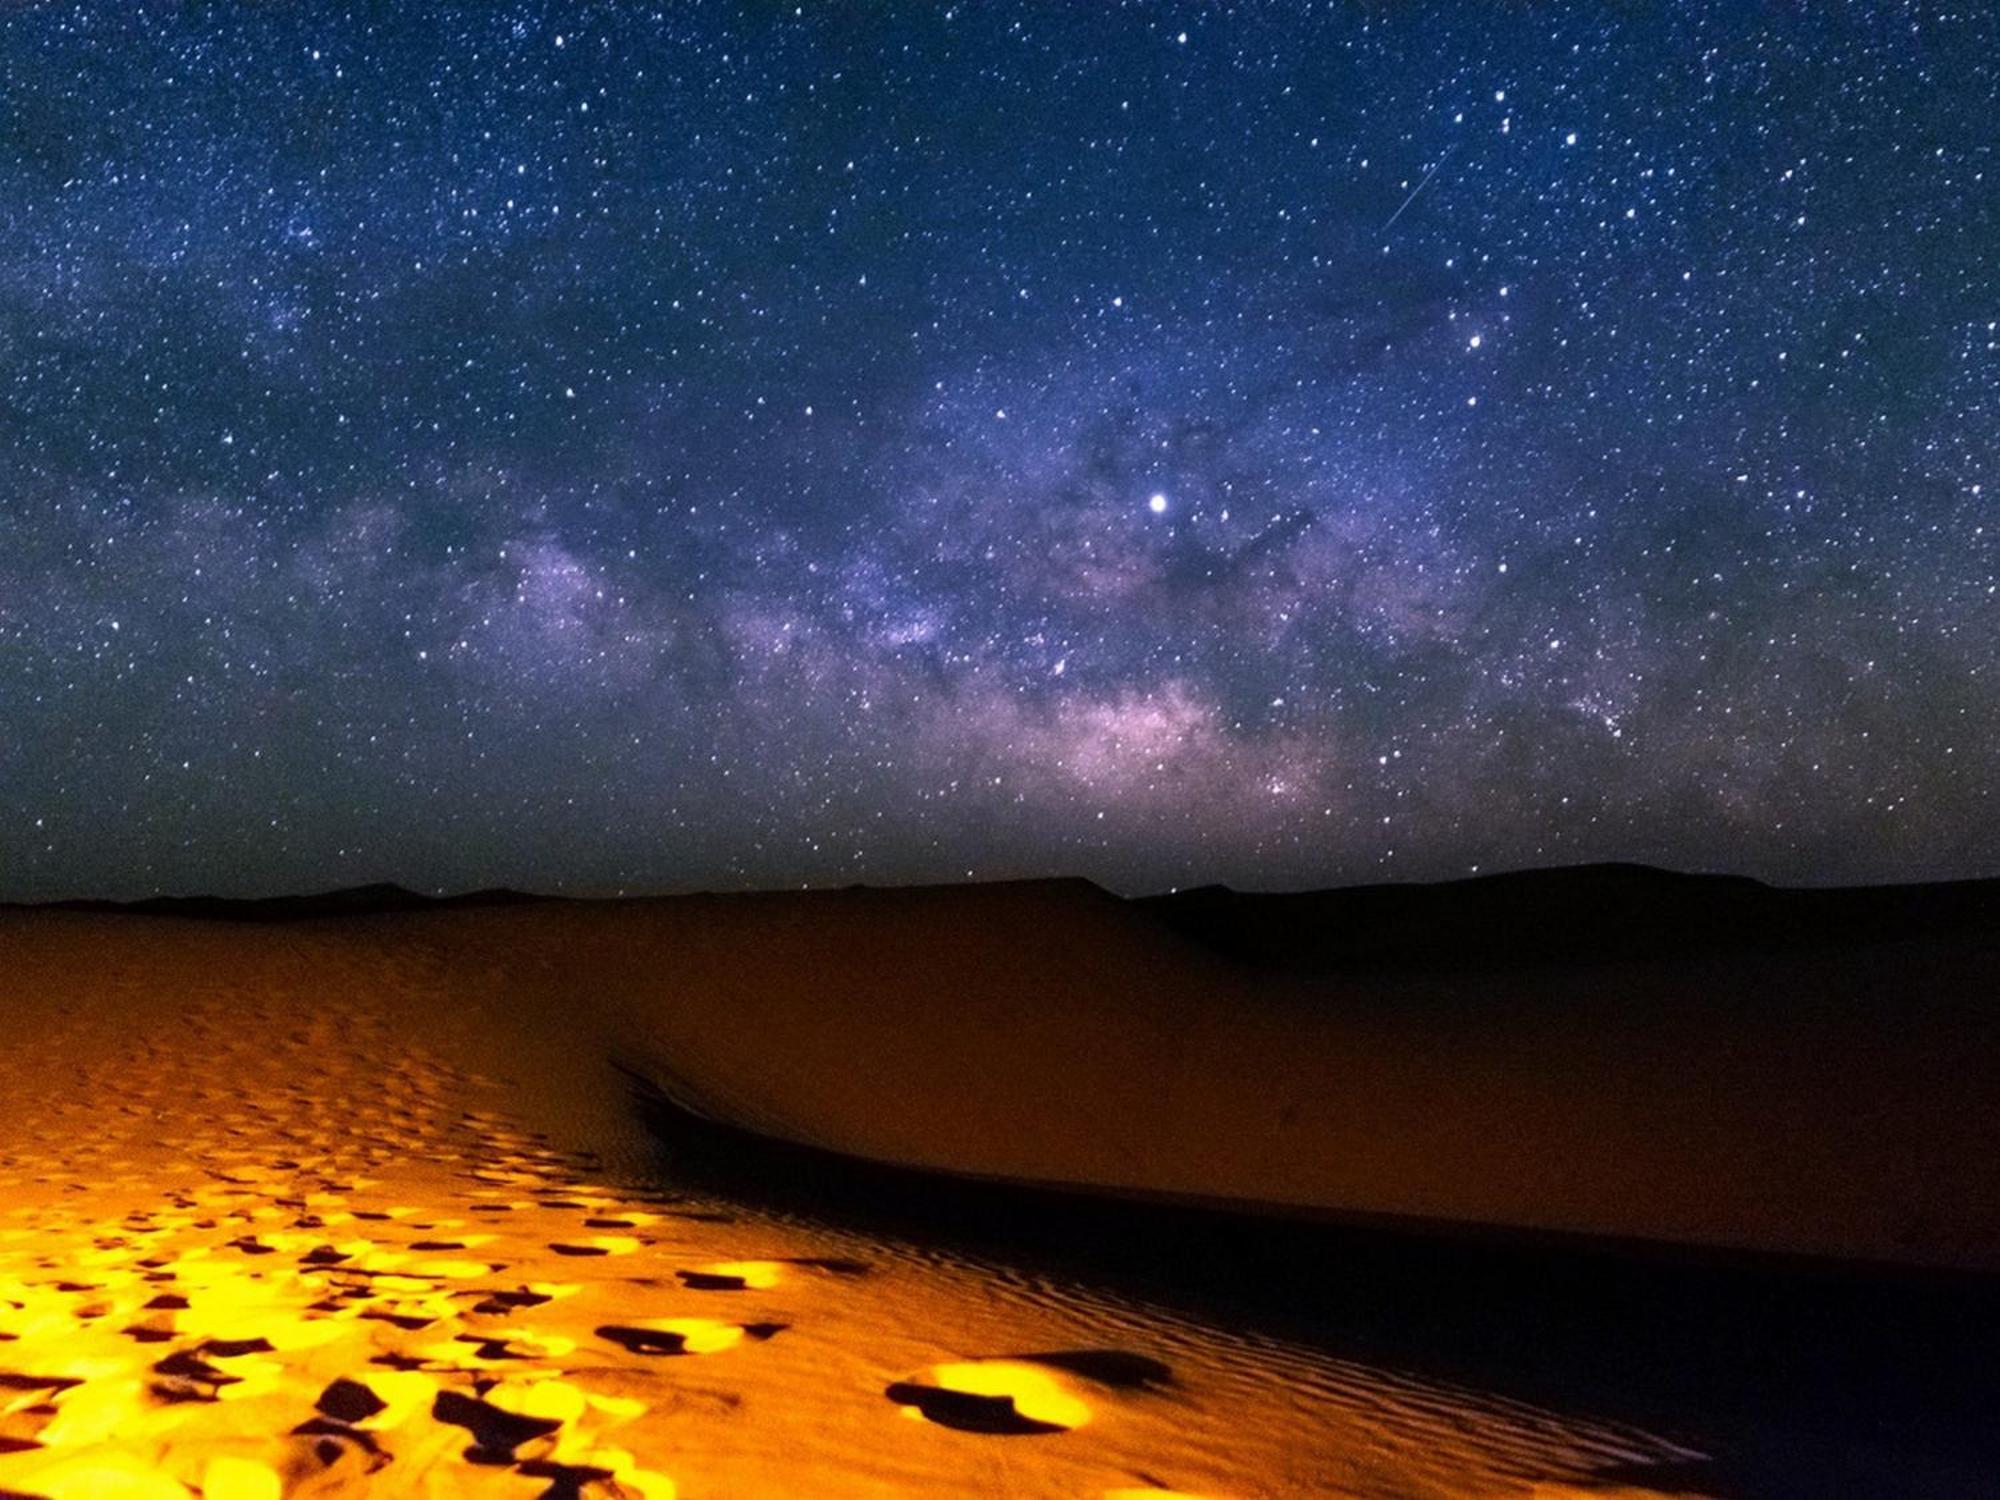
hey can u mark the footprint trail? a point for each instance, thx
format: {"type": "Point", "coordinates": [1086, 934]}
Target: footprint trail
{"type": "Point", "coordinates": [278, 1240]}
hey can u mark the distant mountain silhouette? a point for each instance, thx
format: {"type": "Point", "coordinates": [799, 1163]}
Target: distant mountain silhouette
{"type": "Point", "coordinates": [352, 901]}
{"type": "Point", "coordinates": [1566, 916]}
{"type": "Point", "coordinates": [1579, 914]}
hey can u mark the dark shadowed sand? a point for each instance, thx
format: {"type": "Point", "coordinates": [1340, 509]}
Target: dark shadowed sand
{"type": "Point", "coordinates": [639, 1198]}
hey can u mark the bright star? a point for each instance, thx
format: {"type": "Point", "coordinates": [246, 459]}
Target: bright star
{"type": "Point", "coordinates": [1157, 505]}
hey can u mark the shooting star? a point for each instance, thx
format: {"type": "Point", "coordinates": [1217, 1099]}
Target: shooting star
{"type": "Point", "coordinates": [1418, 189]}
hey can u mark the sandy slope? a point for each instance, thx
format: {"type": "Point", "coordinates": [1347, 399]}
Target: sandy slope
{"type": "Point", "coordinates": [1844, 1102]}
{"type": "Point", "coordinates": [313, 1211]}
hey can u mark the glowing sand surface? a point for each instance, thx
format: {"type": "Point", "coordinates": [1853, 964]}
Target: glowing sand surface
{"type": "Point", "coordinates": [276, 1236]}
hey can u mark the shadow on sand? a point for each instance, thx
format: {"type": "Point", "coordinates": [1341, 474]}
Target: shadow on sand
{"type": "Point", "coordinates": [1801, 1378]}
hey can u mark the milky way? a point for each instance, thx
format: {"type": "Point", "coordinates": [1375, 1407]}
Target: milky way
{"type": "Point", "coordinates": [601, 448]}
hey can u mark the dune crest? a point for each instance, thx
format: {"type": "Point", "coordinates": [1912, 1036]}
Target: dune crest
{"type": "Point", "coordinates": [1817, 1097]}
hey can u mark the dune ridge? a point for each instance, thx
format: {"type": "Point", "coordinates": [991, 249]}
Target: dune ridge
{"type": "Point", "coordinates": [1833, 1089]}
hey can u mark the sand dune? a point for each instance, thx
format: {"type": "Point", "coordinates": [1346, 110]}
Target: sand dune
{"type": "Point", "coordinates": [269, 1226]}
{"type": "Point", "coordinates": [363, 1203]}
{"type": "Point", "coordinates": [1839, 1100]}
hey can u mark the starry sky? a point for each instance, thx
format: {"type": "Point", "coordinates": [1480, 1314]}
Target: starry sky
{"type": "Point", "coordinates": [604, 447]}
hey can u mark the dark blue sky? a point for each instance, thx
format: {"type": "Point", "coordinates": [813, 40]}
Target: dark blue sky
{"type": "Point", "coordinates": [595, 447]}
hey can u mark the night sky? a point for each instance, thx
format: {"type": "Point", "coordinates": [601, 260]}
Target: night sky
{"type": "Point", "coordinates": [601, 447]}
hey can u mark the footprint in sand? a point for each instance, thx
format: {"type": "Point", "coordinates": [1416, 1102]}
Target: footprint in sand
{"type": "Point", "coordinates": [1115, 1369]}
{"type": "Point", "coordinates": [597, 1244]}
{"type": "Point", "coordinates": [668, 1336]}
{"type": "Point", "coordinates": [496, 1431]}
{"type": "Point", "coordinates": [761, 1275]}
{"type": "Point", "coordinates": [1023, 1395]}
{"type": "Point", "coordinates": [997, 1398]}
{"type": "Point", "coordinates": [731, 1276]}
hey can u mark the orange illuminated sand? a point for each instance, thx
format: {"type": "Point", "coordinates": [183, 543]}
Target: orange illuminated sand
{"type": "Point", "coordinates": [315, 1211]}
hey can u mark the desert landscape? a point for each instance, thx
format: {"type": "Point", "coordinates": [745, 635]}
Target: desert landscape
{"type": "Point", "coordinates": [1017, 750]}
{"type": "Point", "coordinates": [376, 1195]}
